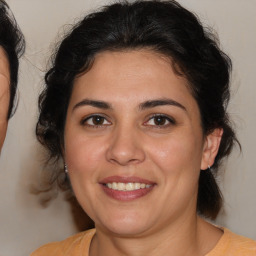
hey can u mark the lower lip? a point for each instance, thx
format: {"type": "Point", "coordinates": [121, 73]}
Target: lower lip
{"type": "Point", "coordinates": [126, 195]}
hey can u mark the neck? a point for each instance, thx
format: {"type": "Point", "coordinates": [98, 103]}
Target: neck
{"type": "Point", "coordinates": [188, 237]}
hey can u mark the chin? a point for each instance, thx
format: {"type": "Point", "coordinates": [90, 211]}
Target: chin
{"type": "Point", "coordinates": [126, 230]}
{"type": "Point", "coordinates": [126, 225]}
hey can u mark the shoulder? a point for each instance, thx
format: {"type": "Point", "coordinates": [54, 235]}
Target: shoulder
{"type": "Point", "coordinates": [243, 245]}
{"type": "Point", "coordinates": [70, 246]}
{"type": "Point", "coordinates": [232, 244]}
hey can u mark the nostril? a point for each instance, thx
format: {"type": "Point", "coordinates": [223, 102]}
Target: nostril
{"type": "Point", "coordinates": [123, 161]}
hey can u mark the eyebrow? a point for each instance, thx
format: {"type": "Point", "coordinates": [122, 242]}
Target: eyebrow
{"type": "Point", "coordinates": [144, 105]}
{"type": "Point", "coordinates": [160, 102]}
{"type": "Point", "coordinates": [93, 103]}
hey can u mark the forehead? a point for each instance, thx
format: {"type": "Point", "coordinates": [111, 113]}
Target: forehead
{"type": "Point", "coordinates": [132, 77]}
{"type": "Point", "coordinates": [126, 71]}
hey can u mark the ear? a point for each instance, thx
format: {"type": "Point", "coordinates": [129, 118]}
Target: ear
{"type": "Point", "coordinates": [211, 148]}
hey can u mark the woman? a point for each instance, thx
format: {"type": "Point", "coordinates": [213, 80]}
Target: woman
{"type": "Point", "coordinates": [11, 48]}
{"type": "Point", "coordinates": [135, 104]}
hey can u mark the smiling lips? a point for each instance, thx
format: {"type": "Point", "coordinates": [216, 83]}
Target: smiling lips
{"type": "Point", "coordinates": [126, 188]}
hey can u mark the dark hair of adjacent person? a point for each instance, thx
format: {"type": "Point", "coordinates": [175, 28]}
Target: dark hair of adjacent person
{"type": "Point", "coordinates": [163, 27]}
{"type": "Point", "coordinates": [13, 43]}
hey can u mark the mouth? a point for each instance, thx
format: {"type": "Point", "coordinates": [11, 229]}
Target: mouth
{"type": "Point", "coordinates": [126, 188]}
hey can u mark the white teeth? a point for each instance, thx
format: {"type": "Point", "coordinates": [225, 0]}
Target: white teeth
{"type": "Point", "coordinates": [120, 186]}
{"type": "Point", "coordinates": [127, 186]}
{"type": "Point", "coordinates": [137, 185]}
{"type": "Point", "coordinates": [114, 185]}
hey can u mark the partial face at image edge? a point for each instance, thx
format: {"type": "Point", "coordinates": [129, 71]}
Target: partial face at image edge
{"type": "Point", "coordinates": [4, 94]}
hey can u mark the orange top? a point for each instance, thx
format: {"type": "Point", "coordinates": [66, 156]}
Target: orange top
{"type": "Point", "coordinates": [230, 244]}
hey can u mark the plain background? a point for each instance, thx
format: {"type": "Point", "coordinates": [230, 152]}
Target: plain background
{"type": "Point", "coordinates": [24, 223]}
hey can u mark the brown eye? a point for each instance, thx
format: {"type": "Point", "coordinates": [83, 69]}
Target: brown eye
{"type": "Point", "coordinates": [95, 120]}
{"type": "Point", "coordinates": [98, 120]}
{"type": "Point", "coordinates": [160, 120]}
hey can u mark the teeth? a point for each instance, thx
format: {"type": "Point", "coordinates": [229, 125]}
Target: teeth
{"type": "Point", "coordinates": [143, 185]}
{"type": "Point", "coordinates": [114, 185]}
{"type": "Point", "coordinates": [120, 186]}
{"type": "Point", "coordinates": [127, 186]}
{"type": "Point", "coordinates": [137, 185]}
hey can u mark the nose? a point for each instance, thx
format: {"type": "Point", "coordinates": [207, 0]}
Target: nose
{"type": "Point", "coordinates": [125, 147]}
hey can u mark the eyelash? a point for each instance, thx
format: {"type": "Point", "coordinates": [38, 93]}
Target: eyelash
{"type": "Point", "coordinates": [171, 121]}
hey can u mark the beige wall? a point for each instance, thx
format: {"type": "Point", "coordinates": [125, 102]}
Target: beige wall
{"type": "Point", "coordinates": [24, 223]}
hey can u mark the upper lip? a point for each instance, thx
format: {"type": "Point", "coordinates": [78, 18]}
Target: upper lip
{"type": "Point", "coordinates": [125, 179]}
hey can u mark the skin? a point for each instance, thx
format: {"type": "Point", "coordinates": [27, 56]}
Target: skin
{"type": "Point", "coordinates": [128, 141]}
{"type": "Point", "coordinates": [4, 94]}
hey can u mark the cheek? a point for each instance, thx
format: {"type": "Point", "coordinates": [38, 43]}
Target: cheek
{"type": "Point", "coordinates": [82, 154]}
{"type": "Point", "coordinates": [177, 152]}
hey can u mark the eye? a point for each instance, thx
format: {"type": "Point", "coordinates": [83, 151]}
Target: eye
{"type": "Point", "coordinates": [160, 120]}
{"type": "Point", "coordinates": [95, 120]}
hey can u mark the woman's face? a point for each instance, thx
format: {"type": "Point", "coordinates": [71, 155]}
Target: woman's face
{"type": "Point", "coordinates": [134, 145]}
{"type": "Point", "coordinates": [4, 94]}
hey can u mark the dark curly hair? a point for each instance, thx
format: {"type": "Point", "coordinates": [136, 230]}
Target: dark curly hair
{"type": "Point", "coordinates": [161, 26]}
{"type": "Point", "coordinates": [13, 43]}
